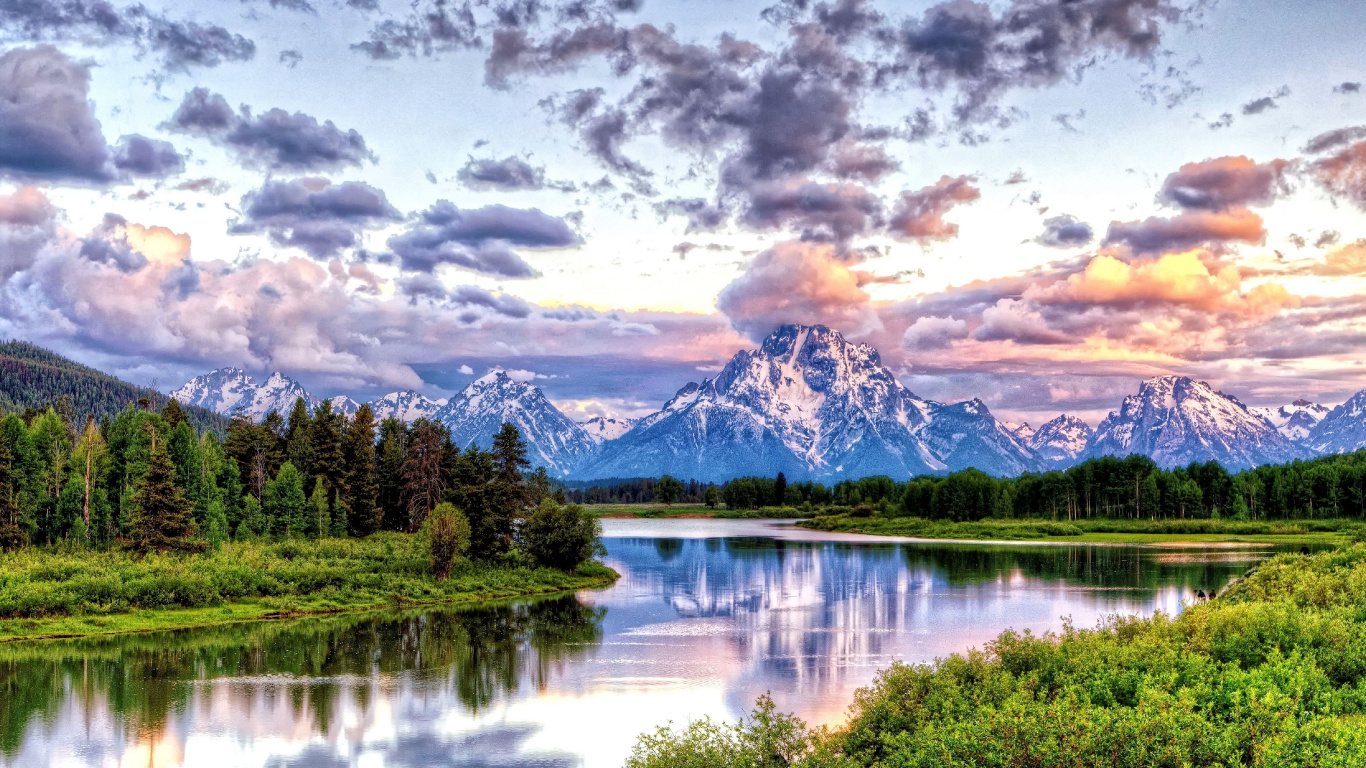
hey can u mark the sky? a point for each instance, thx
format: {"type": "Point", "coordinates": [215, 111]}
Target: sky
{"type": "Point", "coordinates": [1032, 202]}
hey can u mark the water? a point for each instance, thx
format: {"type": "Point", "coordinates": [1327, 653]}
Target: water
{"type": "Point", "coordinates": [708, 615]}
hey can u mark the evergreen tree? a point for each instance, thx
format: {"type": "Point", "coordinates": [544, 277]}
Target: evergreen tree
{"type": "Point", "coordinates": [327, 445]}
{"type": "Point", "coordinates": [319, 522]}
{"type": "Point", "coordinates": [389, 459]}
{"type": "Point", "coordinates": [161, 517]}
{"type": "Point", "coordinates": [231, 491]}
{"type": "Point", "coordinates": [51, 441]}
{"type": "Point", "coordinates": [253, 522]}
{"type": "Point", "coordinates": [12, 533]}
{"type": "Point", "coordinates": [362, 492]}
{"type": "Point", "coordinates": [299, 439]}
{"type": "Point", "coordinates": [285, 505]}
{"type": "Point", "coordinates": [779, 490]}
{"type": "Point", "coordinates": [172, 414]}
{"type": "Point", "coordinates": [474, 491]}
{"type": "Point", "coordinates": [424, 482]}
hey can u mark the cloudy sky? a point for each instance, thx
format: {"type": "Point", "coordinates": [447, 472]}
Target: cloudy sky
{"type": "Point", "coordinates": [1034, 202]}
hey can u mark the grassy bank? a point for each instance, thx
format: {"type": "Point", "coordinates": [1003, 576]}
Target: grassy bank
{"type": "Point", "coordinates": [1270, 673]}
{"type": "Point", "coordinates": [1092, 531]}
{"type": "Point", "coordinates": [46, 592]}
{"type": "Point", "coordinates": [652, 510]}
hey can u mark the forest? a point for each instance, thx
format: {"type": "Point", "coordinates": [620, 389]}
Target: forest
{"type": "Point", "coordinates": [1327, 487]}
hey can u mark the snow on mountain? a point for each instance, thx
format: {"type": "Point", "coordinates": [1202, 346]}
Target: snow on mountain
{"type": "Point", "coordinates": [1175, 421]}
{"type": "Point", "coordinates": [1296, 420]}
{"type": "Point", "coordinates": [808, 403]}
{"type": "Point", "coordinates": [600, 429]}
{"type": "Point", "coordinates": [1022, 431]}
{"type": "Point", "coordinates": [232, 391]}
{"type": "Point", "coordinates": [1061, 441]}
{"type": "Point", "coordinates": [1343, 429]}
{"type": "Point", "coordinates": [344, 404]}
{"type": "Point", "coordinates": [473, 416]}
{"type": "Point", "coordinates": [407, 406]}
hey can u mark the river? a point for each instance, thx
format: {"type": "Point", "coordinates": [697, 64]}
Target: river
{"type": "Point", "coordinates": [708, 615]}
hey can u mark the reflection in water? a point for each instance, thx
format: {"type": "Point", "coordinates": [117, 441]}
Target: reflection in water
{"type": "Point", "coordinates": [696, 626]}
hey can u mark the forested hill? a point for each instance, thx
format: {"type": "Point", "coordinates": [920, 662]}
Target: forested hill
{"type": "Point", "coordinates": [33, 377]}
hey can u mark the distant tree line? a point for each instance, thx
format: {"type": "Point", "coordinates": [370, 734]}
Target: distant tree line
{"type": "Point", "coordinates": [1108, 487]}
{"type": "Point", "coordinates": [634, 491]}
{"type": "Point", "coordinates": [148, 479]}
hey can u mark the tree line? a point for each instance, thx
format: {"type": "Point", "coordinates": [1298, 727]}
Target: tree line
{"type": "Point", "coordinates": [1107, 487]}
{"type": "Point", "coordinates": [149, 479]}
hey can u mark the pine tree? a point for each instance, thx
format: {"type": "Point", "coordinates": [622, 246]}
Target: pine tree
{"type": "Point", "coordinates": [389, 459]}
{"type": "Point", "coordinates": [12, 533]}
{"type": "Point", "coordinates": [298, 438]}
{"type": "Point", "coordinates": [326, 443]}
{"type": "Point", "coordinates": [319, 522]}
{"type": "Point", "coordinates": [780, 490]}
{"type": "Point", "coordinates": [172, 414]}
{"type": "Point", "coordinates": [285, 505]}
{"type": "Point", "coordinates": [424, 482]}
{"type": "Point", "coordinates": [362, 492]}
{"type": "Point", "coordinates": [161, 516]}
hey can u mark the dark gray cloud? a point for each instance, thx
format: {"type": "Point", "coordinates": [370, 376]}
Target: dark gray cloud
{"type": "Point", "coordinates": [1341, 167]}
{"type": "Point", "coordinates": [821, 212]}
{"type": "Point", "coordinates": [1065, 232]}
{"type": "Point", "coordinates": [479, 239]}
{"type": "Point", "coordinates": [291, 58]}
{"type": "Point", "coordinates": [703, 216]}
{"type": "Point", "coordinates": [1158, 234]}
{"type": "Point", "coordinates": [47, 126]}
{"type": "Point", "coordinates": [141, 156]}
{"type": "Point", "coordinates": [1224, 182]}
{"type": "Point", "coordinates": [1348, 87]}
{"type": "Point", "coordinates": [314, 215]}
{"type": "Point", "coordinates": [1258, 106]}
{"type": "Point", "coordinates": [437, 26]}
{"type": "Point", "coordinates": [108, 244]}
{"type": "Point", "coordinates": [274, 140]}
{"type": "Point", "coordinates": [95, 22]}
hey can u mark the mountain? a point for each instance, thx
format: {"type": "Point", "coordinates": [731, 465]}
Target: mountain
{"type": "Point", "coordinates": [600, 429]}
{"type": "Point", "coordinates": [1176, 420]}
{"type": "Point", "coordinates": [1343, 429]}
{"type": "Point", "coordinates": [1022, 431]}
{"type": "Point", "coordinates": [1296, 420]}
{"type": "Point", "coordinates": [473, 416]}
{"type": "Point", "coordinates": [406, 406]}
{"type": "Point", "coordinates": [34, 377]}
{"type": "Point", "coordinates": [231, 391]}
{"type": "Point", "coordinates": [344, 404]}
{"type": "Point", "coordinates": [1061, 441]}
{"type": "Point", "coordinates": [809, 404]}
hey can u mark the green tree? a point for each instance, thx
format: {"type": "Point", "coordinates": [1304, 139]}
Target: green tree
{"type": "Point", "coordinates": [424, 481]}
{"type": "Point", "coordinates": [319, 521]}
{"type": "Point", "coordinates": [285, 505]}
{"type": "Point", "coordinates": [327, 438]}
{"type": "Point", "coordinates": [668, 490]}
{"type": "Point", "coordinates": [362, 491]}
{"type": "Point", "coordinates": [12, 533]}
{"type": "Point", "coordinates": [161, 517]}
{"type": "Point", "coordinates": [562, 536]}
{"type": "Point", "coordinates": [253, 522]}
{"type": "Point", "coordinates": [448, 537]}
{"type": "Point", "coordinates": [172, 414]}
{"type": "Point", "coordinates": [712, 496]}
{"type": "Point", "coordinates": [389, 460]}
{"type": "Point", "coordinates": [298, 438]}
{"type": "Point", "coordinates": [779, 490]}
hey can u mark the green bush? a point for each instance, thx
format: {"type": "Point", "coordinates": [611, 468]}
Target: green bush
{"type": "Point", "coordinates": [448, 536]}
{"type": "Point", "coordinates": [561, 536]}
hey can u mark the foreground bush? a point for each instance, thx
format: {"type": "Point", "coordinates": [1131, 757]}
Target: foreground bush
{"type": "Point", "coordinates": [448, 537]}
{"type": "Point", "coordinates": [1272, 673]}
{"type": "Point", "coordinates": [561, 536]}
{"type": "Point", "coordinates": [386, 567]}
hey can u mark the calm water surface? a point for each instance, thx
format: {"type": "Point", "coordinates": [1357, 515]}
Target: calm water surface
{"type": "Point", "coordinates": [707, 616]}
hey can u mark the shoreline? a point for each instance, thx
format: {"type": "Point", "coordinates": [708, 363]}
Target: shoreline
{"type": "Point", "coordinates": [257, 610]}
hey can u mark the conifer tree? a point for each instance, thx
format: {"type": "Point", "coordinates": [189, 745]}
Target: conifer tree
{"type": "Point", "coordinates": [328, 449]}
{"type": "Point", "coordinates": [172, 414]}
{"type": "Point", "coordinates": [362, 492]}
{"type": "Point", "coordinates": [389, 458]}
{"type": "Point", "coordinates": [298, 438]}
{"type": "Point", "coordinates": [161, 518]}
{"type": "Point", "coordinates": [285, 505]}
{"type": "Point", "coordinates": [423, 479]}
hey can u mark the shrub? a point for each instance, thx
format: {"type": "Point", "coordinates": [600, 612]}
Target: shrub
{"type": "Point", "coordinates": [448, 534]}
{"type": "Point", "coordinates": [561, 537]}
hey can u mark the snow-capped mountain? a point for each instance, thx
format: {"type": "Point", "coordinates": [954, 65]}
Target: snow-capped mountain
{"type": "Point", "coordinates": [1022, 431]}
{"type": "Point", "coordinates": [1176, 420]}
{"type": "Point", "coordinates": [473, 416]}
{"type": "Point", "coordinates": [808, 403]}
{"type": "Point", "coordinates": [1343, 429]}
{"type": "Point", "coordinates": [1296, 420]}
{"type": "Point", "coordinates": [600, 429]}
{"type": "Point", "coordinates": [231, 391]}
{"type": "Point", "coordinates": [1060, 441]}
{"type": "Point", "coordinates": [407, 406]}
{"type": "Point", "coordinates": [344, 404]}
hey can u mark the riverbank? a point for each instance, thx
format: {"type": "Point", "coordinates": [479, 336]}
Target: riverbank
{"type": "Point", "coordinates": [651, 511]}
{"type": "Point", "coordinates": [1269, 673]}
{"type": "Point", "coordinates": [49, 593]}
{"type": "Point", "coordinates": [1307, 532]}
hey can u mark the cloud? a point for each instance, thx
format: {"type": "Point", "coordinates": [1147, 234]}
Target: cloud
{"type": "Point", "coordinates": [798, 282]}
{"type": "Point", "coordinates": [824, 212]}
{"type": "Point", "coordinates": [1258, 106]}
{"type": "Point", "coordinates": [1187, 230]}
{"type": "Point", "coordinates": [141, 156]}
{"type": "Point", "coordinates": [1350, 259]}
{"type": "Point", "coordinates": [1222, 183]}
{"type": "Point", "coordinates": [1341, 167]}
{"type": "Point", "coordinates": [440, 27]}
{"type": "Point", "coordinates": [479, 239]}
{"type": "Point", "coordinates": [507, 175]}
{"type": "Point", "coordinates": [1017, 321]}
{"type": "Point", "coordinates": [274, 140]}
{"type": "Point", "coordinates": [934, 333]}
{"type": "Point", "coordinates": [313, 214]}
{"type": "Point", "coordinates": [919, 215]}
{"type": "Point", "coordinates": [96, 22]}
{"type": "Point", "coordinates": [1065, 232]}
{"type": "Point", "coordinates": [1347, 87]}
{"type": "Point", "coordinates": [47, 126]}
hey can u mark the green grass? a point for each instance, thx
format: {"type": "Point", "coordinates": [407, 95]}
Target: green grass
{"type": "Point", "coordinates": [1270, 674]}
{"type": "Point", "coordinates": [46, 592]}
{"type": "Point", "coordinates": [1095, 531]}
{"type": "Point", "coordinates": [652, 510]}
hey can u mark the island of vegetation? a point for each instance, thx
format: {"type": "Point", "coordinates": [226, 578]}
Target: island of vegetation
{"type": "Point", "coordinates": [1271, 672]}
{"type": "Point", "coordinates": [145, 522]}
